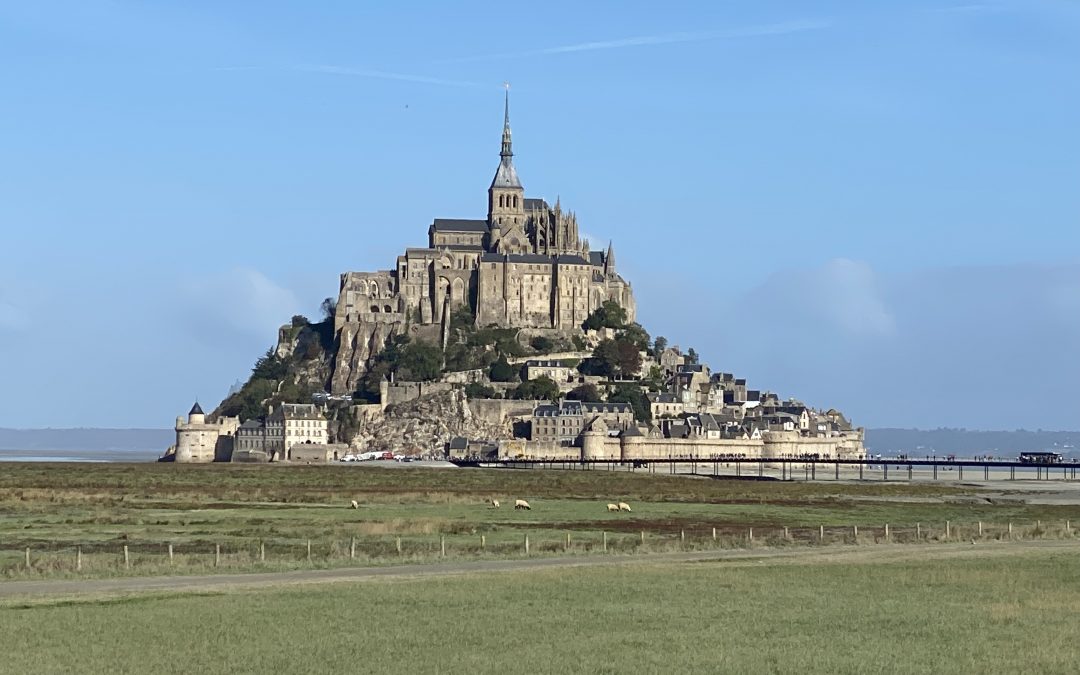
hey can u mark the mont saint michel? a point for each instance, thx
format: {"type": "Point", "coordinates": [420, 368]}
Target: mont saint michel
{"type": "Point", "coordinates": [505, 337]}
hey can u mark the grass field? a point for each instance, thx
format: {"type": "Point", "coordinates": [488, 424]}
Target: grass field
{"type": "Point", "coordinates": [248, 510]}
{"type": "Point", "coordinates": [853, 614]}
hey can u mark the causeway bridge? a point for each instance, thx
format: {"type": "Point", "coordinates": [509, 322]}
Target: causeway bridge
{"type": "Point", "coordinates": [805, 468]}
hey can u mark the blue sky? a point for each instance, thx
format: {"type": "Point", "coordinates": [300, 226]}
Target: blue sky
{"type": "Point", "coordinates": [873, 206]}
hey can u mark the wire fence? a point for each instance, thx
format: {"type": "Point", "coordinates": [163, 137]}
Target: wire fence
{"type": "Point", "coordinates": [65, 559]}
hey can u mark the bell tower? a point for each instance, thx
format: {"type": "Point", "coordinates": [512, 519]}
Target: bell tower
{"type": "Point", "coordinates": [506, 197]}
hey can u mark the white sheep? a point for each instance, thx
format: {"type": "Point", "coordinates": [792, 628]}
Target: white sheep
{"type": "Point", "coordinates": [355, 505]}
{"type": "Point", "coordinates": [494, 503]}
{"type": "Point", "coordinates": [612, 507]}
{"type": "Point", "coordinates": [522, 504]}
{"type": "Point", "coordinates": [623, 506]}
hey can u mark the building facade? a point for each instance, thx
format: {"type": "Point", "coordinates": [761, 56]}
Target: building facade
{"type": "Point", "coordinates": [198, 440]}
{"type": "Point", "coordinates": [524, 265]}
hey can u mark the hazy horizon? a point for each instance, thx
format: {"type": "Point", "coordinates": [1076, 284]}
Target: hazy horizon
{"type": "Point", "coordinates": [872, 208]}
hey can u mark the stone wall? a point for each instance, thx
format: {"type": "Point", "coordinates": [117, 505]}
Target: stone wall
{"type": "Point", "coordinates": [596, 445]}
{"type": "Point", "coordinates": [498, 411]}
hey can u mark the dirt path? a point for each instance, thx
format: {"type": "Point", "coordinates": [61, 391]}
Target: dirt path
{"type": "Point", "coordinates": [81, 588]}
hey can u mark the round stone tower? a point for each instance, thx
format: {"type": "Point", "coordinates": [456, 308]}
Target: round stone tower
{"type": "Point", "coordinates": [593, 440]}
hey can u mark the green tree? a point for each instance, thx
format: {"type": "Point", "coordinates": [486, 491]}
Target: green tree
{"type": "Point", "coordinates": [578, 342]}
{"type": "Point", "coordinates": [586, 392]}
{"type": "Point", "coordinates": [654, 381]}
{"type": "Point", "coordinates": [691, 356]}
{"type": "Point", "coordinates": [420, 360]}
{"type": "Point", "coordinates": [328, 308]}
{"type": "Point", "coordinates": [659, 345]}
{"type": "Point", "coordinates": [605, 359]}
{"type": "Point", "coordinates": [501, 371]}
{"type": "Point", "coordinates": [629, 358]}
{"type": "Point", "coordinates": [269, 367]}
{"type": "Point", "coordinates": [299, 320]}
{"type": "Point", "coordinates": [632, 394]}
{"type": "Point", "coordinates": [542, 387]}
{"type": "Point", "coordinates": [637, 335]}
{"type": "Point", "coordinates": [541, 344]}
{"type": "Point", "coordinates": [608, 315]}
{"type": "Point", "coordinates": [479, 390]}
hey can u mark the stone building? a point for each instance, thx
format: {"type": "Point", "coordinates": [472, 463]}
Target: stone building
{"type": "Point", "coordinates": [564, 423]}
{"type": "Point", "coordinates": [260, 440]}
{"type": "Point", "coordinates": [524, 265]}
{"type": "Point", "coordinates": [198, 440]}
{"type": "Point", "coordinates": [300, 423]}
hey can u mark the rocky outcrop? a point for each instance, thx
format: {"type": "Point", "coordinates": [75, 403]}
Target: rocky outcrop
{"type": "Point", "coordinates": [357, 343]}
{"type": "Point", "coordinates": [425, 425]}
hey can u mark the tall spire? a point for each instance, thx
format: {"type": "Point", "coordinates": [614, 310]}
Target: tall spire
{"type": "Point", "coordinates": [506, 152]}
{"type": "Point", "coordinates": [505, 175]}
{"type": "Point", "coordinates": [609, 259]}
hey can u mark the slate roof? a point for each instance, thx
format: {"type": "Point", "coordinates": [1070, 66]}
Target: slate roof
{"type": "Point", "coordinates": [459, 225]}
{"type": "Point", "coordinates": [196, 409]}
{"type": "Point", "coordinates": [572, 260]}
{"type": "Point", "coordinates": [516, 258]}
{"type": "Point", "coordinates": [459, 443]}
{"type": "Point", "coordinates": [596, 258]}
{"type": "Point", "coordinates": [532, 204]}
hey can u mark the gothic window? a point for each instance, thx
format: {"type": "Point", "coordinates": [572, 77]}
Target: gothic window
{"type": "Point", "coordinates": [515, 201]}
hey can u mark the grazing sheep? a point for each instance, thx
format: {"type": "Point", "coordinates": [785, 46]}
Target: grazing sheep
{"type": "Point", "coordinates": [623, 506]}
{"type": "Point", "coordinates": [612, 507]}
{"type": "Point", "coordinates": [355, 505]}
{"type": "Point", "coordinates": [494, 503]}
{"type": "Point", "coordinates": [522, 504]}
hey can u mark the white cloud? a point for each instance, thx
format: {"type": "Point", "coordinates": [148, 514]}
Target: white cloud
{"type": "Point", "coordinates": [782, 28]}
{"type": "Point", "coordinates": [243, 299]}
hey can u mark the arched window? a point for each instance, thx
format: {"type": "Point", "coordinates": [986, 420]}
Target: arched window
{"type": "Point", "coordinates": [375, 309]}
{"type": "Point", "coordinates": [515, 201]}
{"type": "Point", "coordinates": [500, 201]}
{"type": "Point", "coordinates": [387, 309]}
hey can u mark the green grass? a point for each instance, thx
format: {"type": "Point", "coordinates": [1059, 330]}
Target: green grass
{"type": "Point", "coordinates": [53, 509]}
{"type": "Point", "coordinates": [1012, 614]}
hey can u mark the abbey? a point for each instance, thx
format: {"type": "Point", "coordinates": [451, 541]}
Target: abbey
{"type": "Point", "coordinates": [523, 266]}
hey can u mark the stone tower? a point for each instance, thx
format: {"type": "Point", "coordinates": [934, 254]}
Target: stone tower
{"type": "Point", "coordinates": [506, 197]}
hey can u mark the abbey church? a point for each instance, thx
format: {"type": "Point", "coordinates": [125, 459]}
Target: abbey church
{"type": "Point", "coordinates": [523, 266]}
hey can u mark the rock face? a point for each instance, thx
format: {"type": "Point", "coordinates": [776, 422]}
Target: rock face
{"type": "Point", "coordinates": [357, 342]}
{"type": "Point", "coordinates": [425, 425]}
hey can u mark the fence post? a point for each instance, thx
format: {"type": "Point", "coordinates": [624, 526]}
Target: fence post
{"type": "Point", "coordinates": [442, 545]}
{"type": "Point", "coordinates": [217, 555]}
{"type": "Point", "coordinates": [605, 541]}
{"type": "Point", "coordinates": [262, 551]}
{"type": "Point", "coordinates": [821, 533]}
{"type": "Point", "coordinates": [170, 554]}
{"type": "Point", "coordinates": [1038, 525]}
{"type": "Point", "coordinates": [1068, 528]}
{"type": "Point", "coordinates": [309, 550]}
{"type": "Point", "coordinates": [855, 533]}
{"type": "Point", "coordinates": [714, 534]}
{"type": "Point", "coordinates": [980, 528]}
{"type": "Point", "coordinates": [398, 545]}
{"type": "Point", "coordinates": [567, 547]}
{"type": "Point", "coordinates": [78, 558]}
{"type": "Point", "coordinates": [28, 557]}
{"type": "Point", "coordinates": [787, 534]}
{"type": "Point", "coordinates": [526, 544]}
{"type": "Point", "coordinates": [127, 561]}
{"type": "Point", "coordinates": [643, 537]}
{"type": "Point", "coordinates": [886, 532]}
{"type": "Point", "coordinates": [918, 530]}
{"type": "Point", "coordinates": [483, 542]}
{"type": "Point", "coordinates": [750, 535]}
{"type": "Point", "coordinates": [682, 537]}
{"type": "Point", "coordinates": [948, 529]}
{"type": "Point", "coordinates": [1010, 529]}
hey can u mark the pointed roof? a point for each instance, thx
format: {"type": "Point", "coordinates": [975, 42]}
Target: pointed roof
{"type": "Point", "coordinates": [506, 175]}
{"type": "Point", "coordinates": [609, 259]}
{"type": "Point", "coordinates": [196, 409]}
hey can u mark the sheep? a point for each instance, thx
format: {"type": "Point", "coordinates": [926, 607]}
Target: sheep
{"type": "Point", "coordinates": [522, 504]}
{"type": "Point", "coordinates": [623, 506]}
{"type": "Point", "coordinates": [355, 505]}
{"type": "Point", "coordinates": [612, 507]}
{"type": "Point", "coordinates": [494, 503]}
